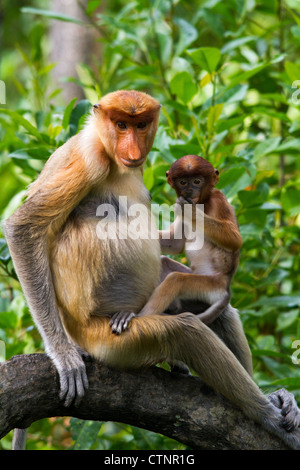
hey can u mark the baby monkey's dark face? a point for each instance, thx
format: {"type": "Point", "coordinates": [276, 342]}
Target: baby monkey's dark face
{"type": "Point", "coordinates": [190, 188]}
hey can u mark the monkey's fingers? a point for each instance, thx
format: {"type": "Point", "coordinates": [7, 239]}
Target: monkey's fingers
{"type": "Point", "coordinates": [181, 200]}
{"type": "Point", "coordinates": [286, 402]}
{"type": "Point", "coordinates": [120, 321]}
{"type": "Point", "coordinates": [73, 384]}
{"type": "Point", "coordinates": [289, 410]}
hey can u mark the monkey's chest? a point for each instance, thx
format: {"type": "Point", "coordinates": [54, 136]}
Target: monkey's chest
{"type": "Point", "coordinates": [206, 260]}
{"type": "Point", "coordinates": [108, 263]}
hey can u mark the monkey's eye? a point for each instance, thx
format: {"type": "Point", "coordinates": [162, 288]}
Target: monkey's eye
{"type": "Point", "coordinates": [182, 182]}
{"type": "Point", "coordinates": [141, 125]}
{"type": "Point", "coordinates": [197, 181]}
{"type": "Point", "coordinates": [122, 125]}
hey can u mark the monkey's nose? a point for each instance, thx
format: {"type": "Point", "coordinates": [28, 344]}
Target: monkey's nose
{"type": "Point", "coordinates": [134, 154]}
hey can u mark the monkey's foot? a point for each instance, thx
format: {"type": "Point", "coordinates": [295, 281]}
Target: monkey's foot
{"type": "Point", "coordinates": [286, 402]}
{"type": "Point", "coordinates": [72, 374]}
{"type": "Point", "coordinates": [120, 320]}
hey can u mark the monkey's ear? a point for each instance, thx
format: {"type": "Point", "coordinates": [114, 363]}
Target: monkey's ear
{"type": "Point", "coordinates": [167, 173]}
{"type": "Point", "coordinates": [216, 175]}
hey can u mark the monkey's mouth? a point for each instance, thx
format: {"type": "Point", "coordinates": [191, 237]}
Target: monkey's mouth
{"type": "Point", "coordinates": [195, 199]}
{"type": "Point", "coordinates": [132, 163]}
{"type": "Point", "coordinates": [191, 200]}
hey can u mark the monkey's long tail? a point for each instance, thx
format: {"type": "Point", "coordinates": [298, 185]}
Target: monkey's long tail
{"type": "Point", "coordinates": [19, 439]}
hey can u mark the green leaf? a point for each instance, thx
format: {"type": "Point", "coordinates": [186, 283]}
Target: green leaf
{"type": "Point", "coordinates": [8, 320]}
{"type": "Point", "coordinates": [82, 108]}
{"type": "Point", "coordinates": [233, 181]}
{"type": "Point", "coordinates": [84, 433]}
{"type": "Point", "coordinates": [230, 95]}
{"type": "Point", "coordinates": [92, 6]}
{"type": "Point", "coordinates": [4, 251]}
{"type": "Point", "coordinates": [256, 216]}
{"type": "Point", "coordinates": [207, 57]}
{"type": "Point", "coordinates": [213, 116]}
{"type": "Point", "coordinates": [288, 145]}
{"type": "Point", "coordinates": [298, 329]}
{"type": "Point", "coordinates": [19, 119]}
{"type": "Point", "coordinates": [28, 154]}
{"type": "Point", "coordinates": [295, 30]}
{"type": "Point", "coordinates": [55, 15]}
{"type": "Point", "coordinates": [251, 198]}
{"type": "Point", "coordinates": [230, 176]}
{"type": "Point", "coordinates": [183, 86]}
{"type": "Point", "coordinates": [286, 319]}
{"type": "Point", "coordinates": [292, 382]}
{"type": "Point", "coordinates": [269, 352]}
{"type": "Point", "coordinates": [290, 200]}
{"type": "Point", "coordinates": [275, 276]}
{"type": "Point", "coordinates": [226, 124]}
{"type": "Point", "coordinates": [294, 4]}
{"type": "Point", "coordinates": [186, 149]}
{"type": "Point", "coordinates": [231, 45]}
{"type": "Point", "coordinates": [271, 206]}
{"type": "Point", "coordinates": [187, 35]}
{"type": "Point", "coordinates": [265, 147]}
{"type": "Point", "coordinates": [164, 35]}
{"type": "Point", "coordinates": [148, 178]}
{"type": "Point", "coordinates": [271, 112]}
{"type": "Point", "coordinates": [244, 76]}
{"type": "Point", "coordinates": [279, 301]}
{"type": "Point", "coordinates": [67, 113]}
{"type": "Point", "coordinates": [293, 70]}
{"type": "Point", "coordinates": [179, 64]}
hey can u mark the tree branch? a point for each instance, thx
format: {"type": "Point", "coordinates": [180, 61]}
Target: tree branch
{"type": "Point", "coordinates": [175, 405]}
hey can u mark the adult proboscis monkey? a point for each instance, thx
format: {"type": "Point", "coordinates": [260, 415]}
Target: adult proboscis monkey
{"type": "Point", "coordinates": [74, 280]}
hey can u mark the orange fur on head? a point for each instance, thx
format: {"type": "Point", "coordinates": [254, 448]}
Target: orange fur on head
{"type": "Point", "coordinates": [132, 103]}
{"type": "Point", "coordinates": [192, 165]}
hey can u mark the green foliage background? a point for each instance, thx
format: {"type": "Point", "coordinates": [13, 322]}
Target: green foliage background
{"type": "Point", "coordinates": [226, 74]}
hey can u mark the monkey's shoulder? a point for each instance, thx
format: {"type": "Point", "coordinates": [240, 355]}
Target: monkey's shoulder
{"type": "Point", "coordinates": [218, 197]}
{"type": "Point", "coordinates": [219, 206]}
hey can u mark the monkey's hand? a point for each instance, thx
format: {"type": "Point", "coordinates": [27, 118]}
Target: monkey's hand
{"type": "Point", "coordinates": [120, 320]}
{"type": "Point", "coordinates": [286, 402]}
{"type": "Point", "coordinates": [72, 374]}
{"type": "Point", "coordinates": [182, 201]}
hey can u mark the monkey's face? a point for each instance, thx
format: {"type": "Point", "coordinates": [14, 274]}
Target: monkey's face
{"type": "Point", "coordinates": [193, 178]}
{"type": "Point", "coordinates": [133, 142]}
{"type": "Point", "coordinates": [127, 122]}
{"type": "Point", "coordinates": [190, 188]}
